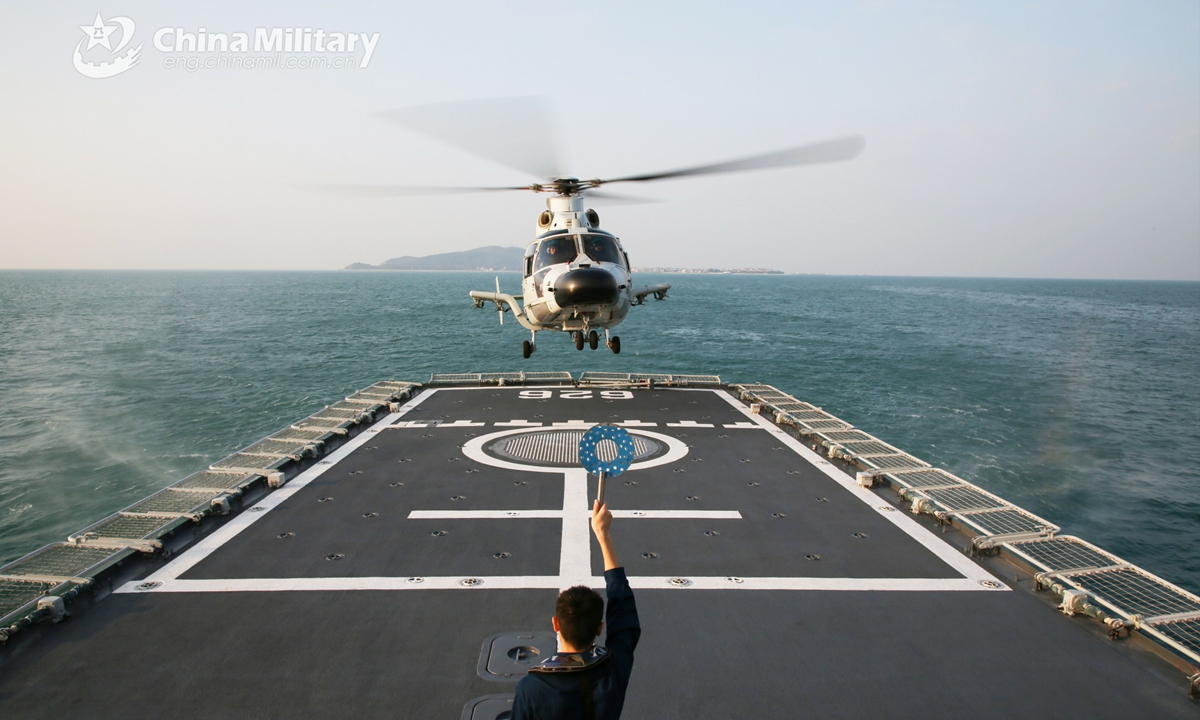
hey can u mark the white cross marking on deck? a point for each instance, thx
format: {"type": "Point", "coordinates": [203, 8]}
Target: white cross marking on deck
{"type": "Point", "coordinates": [575, 554]}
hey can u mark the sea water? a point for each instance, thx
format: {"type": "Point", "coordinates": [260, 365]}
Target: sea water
{"type": "Point", "coordinates": [1077, 400]}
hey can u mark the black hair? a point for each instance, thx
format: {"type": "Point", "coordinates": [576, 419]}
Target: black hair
{"type": "Point", "coordinates": [579, 612]}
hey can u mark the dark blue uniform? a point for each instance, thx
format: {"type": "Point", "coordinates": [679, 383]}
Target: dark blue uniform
{"type": "Point", "coordinates": [557, 696]}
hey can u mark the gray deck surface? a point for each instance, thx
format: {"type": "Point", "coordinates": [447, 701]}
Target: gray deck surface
{"type": "Point", "coordinates": [731, 652]}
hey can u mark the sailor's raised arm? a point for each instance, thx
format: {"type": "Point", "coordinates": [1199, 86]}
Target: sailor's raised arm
{"type": "Point", "coordinates": [601, 524]}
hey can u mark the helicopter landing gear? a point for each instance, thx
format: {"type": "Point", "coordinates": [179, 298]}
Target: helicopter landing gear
{"type": "Point", "coordinates": [578, 339]}
{"type": "Point", "coordinates": [593, 340]}
{"type": "Point", "coordinates": [613, 343]}
{"type": "Point", "coordinates": [526, 349]}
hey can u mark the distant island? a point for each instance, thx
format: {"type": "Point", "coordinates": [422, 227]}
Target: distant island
{"type": "Point", "coordinates": [494, 258]}
{"type": "Point", "coordinates": [711, 271]}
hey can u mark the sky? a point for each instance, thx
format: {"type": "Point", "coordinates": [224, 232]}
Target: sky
{"type": "Point", "coordinates": [1003, 139]}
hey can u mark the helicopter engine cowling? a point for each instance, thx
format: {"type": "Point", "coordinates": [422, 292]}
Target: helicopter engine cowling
{"type": "Point", "coordinates": [586, 286]}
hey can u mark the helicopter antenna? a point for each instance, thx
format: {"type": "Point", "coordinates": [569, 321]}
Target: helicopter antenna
{"type": "Point", "coordinates": [499, 307]}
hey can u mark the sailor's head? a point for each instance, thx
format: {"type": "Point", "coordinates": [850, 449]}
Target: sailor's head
{"type": "Point", "coordinates": [578, 618]}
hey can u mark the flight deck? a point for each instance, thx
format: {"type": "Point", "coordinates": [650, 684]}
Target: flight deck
{"type": "Point", "coordinates": [410, 570]}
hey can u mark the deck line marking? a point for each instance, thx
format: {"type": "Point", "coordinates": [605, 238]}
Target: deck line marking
{"type": "Point", "coordinates": [555, 582]}
{"type": "Point", "coordinates": [244, 519]}
{"type": "Point", "coordinates": [533, 514]}
{"type": "Point", "coordinates": [943, 550]}
{"type": "Point", "coordinates": [483, 514]}
{"type": "Point", "coordinates": [575, 562]}
{"type": "Point", "coordinates": [679, 514]}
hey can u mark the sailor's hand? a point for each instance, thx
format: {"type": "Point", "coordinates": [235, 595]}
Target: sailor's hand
{"type": "Point", "coordinates": [601, 519]}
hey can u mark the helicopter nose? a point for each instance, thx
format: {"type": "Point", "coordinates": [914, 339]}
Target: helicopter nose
{"type": "Point", "coordinates": [585, 286]}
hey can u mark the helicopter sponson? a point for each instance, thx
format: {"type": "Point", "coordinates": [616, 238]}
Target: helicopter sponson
{"type": "Point", "coordinates": [575, 279]}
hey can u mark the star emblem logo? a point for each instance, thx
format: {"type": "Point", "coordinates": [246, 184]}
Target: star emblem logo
{"type": "Point", "coordinates": [100, 33]}
{"type": "Point", "coordinates": [97, 33]}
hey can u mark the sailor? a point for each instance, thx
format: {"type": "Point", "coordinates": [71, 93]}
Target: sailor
{"type": "Point", "coordinates": [583, 680]}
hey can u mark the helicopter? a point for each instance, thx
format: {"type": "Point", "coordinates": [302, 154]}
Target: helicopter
{"type": "Point", "coordinates": [576, 277]}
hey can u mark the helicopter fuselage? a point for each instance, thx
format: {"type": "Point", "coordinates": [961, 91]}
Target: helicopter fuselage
{"type": "Point", "coordinates": [575, 277]}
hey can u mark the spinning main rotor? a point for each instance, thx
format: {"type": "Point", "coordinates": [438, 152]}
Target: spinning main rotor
{"type": "Point", "coordinates": [519, 133]}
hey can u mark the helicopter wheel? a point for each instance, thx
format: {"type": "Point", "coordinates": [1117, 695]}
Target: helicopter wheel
{"type": "Point", "coordinates": [615, 344]}
{"type": "Point", "coordinates": [593, 340]}
{"type": "Point", "coordinates": [526, 349]}
{"type": "Point", "coordinates": [579, 340]}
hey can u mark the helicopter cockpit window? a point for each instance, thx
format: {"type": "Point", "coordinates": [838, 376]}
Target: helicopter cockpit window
{"type": "Point", "coordinates": [555, 250]}
{"type": "Point", "coordinates": [602, 248]}
{"type": "Point", "coordinates": [527, 263]}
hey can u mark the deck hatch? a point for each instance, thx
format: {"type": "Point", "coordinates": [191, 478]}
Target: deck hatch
{"type": "Point", "coordinates": [508, 656]}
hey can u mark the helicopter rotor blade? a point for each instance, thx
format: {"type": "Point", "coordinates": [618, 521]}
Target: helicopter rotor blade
{"type": "Point", "coordinates": [608, 199]}
{"type": "Point", "coordinates": [846, 148]}
{"type": "Point", "coordinates": [515, 131]}
{"type": "Point", "coordinates": [372, 191]}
